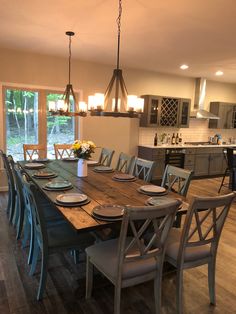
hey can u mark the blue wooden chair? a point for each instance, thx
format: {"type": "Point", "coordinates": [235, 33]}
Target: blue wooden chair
{"type": "Point", "coordinates": [125, 163]}
{"type": "Point", "coordinates": [11, 187]}
{"type": "Point", "coordinates": [52, 216]}
{"type": "Point", "coordinates": [143, 169]}
{"type": "Point", "coordinates": [48, 240]}
{"type": "Point", "coordinates": [105, 157]}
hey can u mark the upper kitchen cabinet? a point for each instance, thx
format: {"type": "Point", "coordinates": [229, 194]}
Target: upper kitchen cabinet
{"type": "Point", "coordinates": [227, 114]}
{"type": "Point", "coordinates": [161, 111]}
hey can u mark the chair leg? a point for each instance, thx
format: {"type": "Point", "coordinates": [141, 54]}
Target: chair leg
{"type": "Point", "coordinates": [89, 278]}
{"type": "Point", "coordinates": [211, 281]}
{"type": "Point", "coordinates": [43, 275]}
{"type": "Point", "coordinates": [179, 291]}
{"type": "Point", "coordinates": [12, 209]}
{"type": "Point", "coordinates": [75, 254]}
{"type": "Point", "coordinates": [222, 181]}
{"type": "Point", "coordinates": [20, 223]}
{"type": "Point", "coordinates": [157, 293]}
{"type": "Point", "coordinates": [34, 259]}
{"type": "Point", "coordinates": [177, 222]}
{"type": "Point", "coordinates": [117, 300]}
{"type": "Point", "coordinates": [32, 240]}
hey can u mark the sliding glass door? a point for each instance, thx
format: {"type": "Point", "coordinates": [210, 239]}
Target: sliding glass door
{"type": "Point", "coordinates": [60, 129]}
{"type": "Point", "coordinates": [21, 120]}
{"type": "Point", "coordinates": [28, 121]}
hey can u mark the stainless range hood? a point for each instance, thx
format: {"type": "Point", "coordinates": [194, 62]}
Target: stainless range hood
{"type": "Point", "coordinates": [200, 91]}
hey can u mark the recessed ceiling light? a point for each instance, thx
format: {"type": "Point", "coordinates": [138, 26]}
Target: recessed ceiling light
{"type": "Point", "coordinates": [184, 67]}
{"type": "Point", "coordinates": [219, 73]}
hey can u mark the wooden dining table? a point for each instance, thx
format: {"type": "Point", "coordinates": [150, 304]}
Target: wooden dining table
{"type": "Point", "coordinates": [100, 188]}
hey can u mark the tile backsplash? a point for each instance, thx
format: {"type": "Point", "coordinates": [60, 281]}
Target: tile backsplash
{"type": "Point", "coordinates": [198, 131]}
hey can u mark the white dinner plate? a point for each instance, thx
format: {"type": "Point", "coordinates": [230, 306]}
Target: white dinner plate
{"type": "Point", "coordinates": [42, 174]}
{"type": "Point", "coordinates": [109, 211]}
{"type": "Point", "coordinates": [152, 189]}
{"type": "Point", "coordinates": [70, 198]}
{"type": "Point", "coordinates": [92, 162]}
{"type": "Point", "coordinates": [58, 184]}
{"type": "Point", "coordinates": [103, 169]}
{"type": "Point", "coordinates": [34, 165]}
{"type": "Point", "coordinates": [123, 177]}
{"type": "Point", "coordinates": [70, 159]}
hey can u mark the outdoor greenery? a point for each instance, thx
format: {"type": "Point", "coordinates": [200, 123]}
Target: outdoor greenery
{"type": "Point", "coordinates": [22, 122]}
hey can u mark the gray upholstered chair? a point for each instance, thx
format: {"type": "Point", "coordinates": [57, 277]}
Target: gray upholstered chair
{"type": "Point", "coordinates": [63, 150]}
{"type": "Point", "coordinates": [105, 157]}
{"type": "Point", "coordinates": [197, 243]}
{"type": "Point", "coordinates": [132, 259]}
{"type": "Point", "coordinates": [143, 169]}
{"type": "Point", "coordinates": [125, 163]}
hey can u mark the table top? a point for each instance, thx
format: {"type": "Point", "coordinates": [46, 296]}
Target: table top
{"type": "Point", "coordinates": [99, 187]}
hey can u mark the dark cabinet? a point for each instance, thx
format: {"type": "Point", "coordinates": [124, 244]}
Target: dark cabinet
{"type": "Point", "coordinates": [160, 111]}
{"type": "Point", "coordinates": [201, 167]}
{"type": "Point", "coordinates": [227, 114]}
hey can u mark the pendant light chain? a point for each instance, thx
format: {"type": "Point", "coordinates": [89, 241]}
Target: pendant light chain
{"type": "Point", "coordinates": [118, 21]}
{"type": "Point", "coordinates": [69, 57]}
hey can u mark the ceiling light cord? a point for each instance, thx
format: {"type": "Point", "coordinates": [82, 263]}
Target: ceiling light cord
{"type": "Point", "coordinates": [69, 57]}
{"type": "Point", "coordinates": [118, 21]}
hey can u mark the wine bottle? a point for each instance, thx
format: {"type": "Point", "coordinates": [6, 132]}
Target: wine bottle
{"type": "Point", "coordinates": [180, 138]}
{"type": "Point", "coordinates": [177, 139]}
{"type": "Point", "coordinates": [173, 139]}
{"type": "Point", "coordinates": [155, 139]}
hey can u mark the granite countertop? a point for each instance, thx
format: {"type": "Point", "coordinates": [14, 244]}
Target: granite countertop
{"type": "Point", "coordinates": [188, 146]}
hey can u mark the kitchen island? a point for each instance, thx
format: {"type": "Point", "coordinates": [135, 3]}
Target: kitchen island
{"type": "Point", "coordinates": [206, 160]}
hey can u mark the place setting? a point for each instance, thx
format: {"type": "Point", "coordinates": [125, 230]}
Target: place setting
{"type": "Point", "coordinates": [72, 199]}
{"type": "Point", "coordinates": [34, 165]}
{"type": "Point", "coordinates": [160, 200]}
{"type": "Point", "coordinates": [152, 190]}
{"type": "Point", "coordinates": [91, 162]}
{"type": "Point", "coordinates": [103, 169]}
{"type": "Point", "coordinates": [70, 159]}
{"type": "Point", "coordinates": [124, 177]}
{"type": "Point", "coordinates": [108, 212]}
{"type": "Point", "coordinates": [44, 175]}
{"type": "Point", "coordinates": [58, 185]}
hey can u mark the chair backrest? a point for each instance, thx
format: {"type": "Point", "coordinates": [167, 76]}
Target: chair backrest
{"type": "Point", "coordinates": [63, 150]}
{"type": "Point", "coordinates": [38, 219]}
{"type": "Point", "coordinates": [204, 222]}
{"type": "Point", "coordinates": [106, 157]}
{"type": "Point", "coordinates": [125, 163]}
{"type": "Point", "coordinates": [17, 181]}
{"type": "Point", "coordinates": [144, 231]}
{"type": "Point", "coordinates": [177, 179]}
{"type": "Point", "coordinates": [10, 178]}
{"type": "Point", "coordinates": [33, 151]}
{"type": "Point", "coordinates": [143, 169]}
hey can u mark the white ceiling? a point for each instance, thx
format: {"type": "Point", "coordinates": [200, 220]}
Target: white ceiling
{"type": "Point", "coordinates": [157, 35]}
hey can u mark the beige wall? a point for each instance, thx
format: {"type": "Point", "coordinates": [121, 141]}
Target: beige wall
{"type": "Point", "coordinates": [26, 69]}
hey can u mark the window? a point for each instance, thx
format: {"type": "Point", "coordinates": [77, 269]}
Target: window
{"type": "Point", "coordinates": [21, 120]}
{"type": "Point", "coordinates": [27, 120]}
{"type": "Point", "coordinates": [60, 129]}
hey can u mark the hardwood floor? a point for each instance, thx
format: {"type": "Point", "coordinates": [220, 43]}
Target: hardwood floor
{"type": "Point", "coordinates": [66, 282]}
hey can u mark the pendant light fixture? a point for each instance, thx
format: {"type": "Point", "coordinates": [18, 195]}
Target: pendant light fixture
{"type": "Point", "coordinates": [64, 106]}
{"type": "Point", "coordinates": [111, 103]}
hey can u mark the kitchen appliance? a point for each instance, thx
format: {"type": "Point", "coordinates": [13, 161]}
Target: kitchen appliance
{"type": "Point", "coordinates": [175, 157]}
{"type": "Point", "coordinates": [200, 92]}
